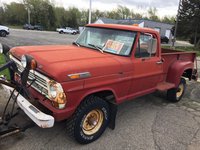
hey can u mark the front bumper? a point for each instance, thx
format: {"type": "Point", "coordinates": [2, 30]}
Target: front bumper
{"type": "Point", "coordinates": [41, 119]}
{"type": "Point", "coordinates": [7, 31]}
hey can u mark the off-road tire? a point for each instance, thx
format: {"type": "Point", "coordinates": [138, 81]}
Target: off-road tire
{"type": "Point", "coordinates": [75, 123]}
{"type": "Point", "coordinates": [172, 93]}
{"type": "Point", "coordinates": [3, 33]}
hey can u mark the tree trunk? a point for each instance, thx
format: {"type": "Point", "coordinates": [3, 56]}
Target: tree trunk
{"type": "Point", "coordinates": [198, 44]}
{"type": "Point", "coordinates": [195, 37]}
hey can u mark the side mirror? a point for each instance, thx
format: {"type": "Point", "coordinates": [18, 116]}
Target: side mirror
{"type": "Point", "coordinates": [152, 46]}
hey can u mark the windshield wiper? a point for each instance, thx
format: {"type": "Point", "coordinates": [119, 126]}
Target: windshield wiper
{"type": "Point", "coordinates": [96, 47]}
{"type": "Point", "coordinates": [77, 44]}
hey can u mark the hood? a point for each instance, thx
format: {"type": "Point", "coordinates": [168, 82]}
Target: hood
{"type": "Point", "coordinates": [59, 61]}
{"type": "Point", "coordinates": [3, 27]}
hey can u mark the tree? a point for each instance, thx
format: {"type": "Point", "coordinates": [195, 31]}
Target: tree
{"type": "Point", "coordinates": [61, 16]}
{"type": "Point", "coordinates": [2, 15]}
{"type": "Point", "coordinates": [45, 13]}
{"type": "Point", "coordinates": [74, 17]}
{"type": "Point", "coordinates": [97, 14]}
{"type": "Point", "coordinates": [42, 13]}
{"type": "Point", "coordinates": [169, 20]}
{"type": "Point", "coordinates": [113, 15]}
{"type": "Point", "coordinates": [152, 14]}
{"type": "Point", "coordinates": [14, 13]}
{"type": "Point", "coordinates": [84, 17]}
{"type": "Point", "coordinates": [136, 15]}
{"type": "Point", "coordinates": [189, 21]}
{"type": "Point", "coordinates": [123, 12]}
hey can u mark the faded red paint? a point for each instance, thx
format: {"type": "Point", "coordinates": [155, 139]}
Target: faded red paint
{"type": "Point", "coordinates": [125, 77]}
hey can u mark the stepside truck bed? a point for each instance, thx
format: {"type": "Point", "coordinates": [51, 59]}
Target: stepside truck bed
{"type": "Point", "coordinates": [171, 56]}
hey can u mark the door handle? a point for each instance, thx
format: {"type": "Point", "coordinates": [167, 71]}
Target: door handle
{"type": "Point", "coordinates": [159, 62]}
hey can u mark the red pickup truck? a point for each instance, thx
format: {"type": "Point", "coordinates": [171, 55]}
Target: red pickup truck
{"type": "Point", "coordinates": [84, 82]}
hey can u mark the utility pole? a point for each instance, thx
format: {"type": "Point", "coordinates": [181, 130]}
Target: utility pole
{"type": "Point", "coordinates": [90, 12]}
{"type": "Point", "coordinates": [176, 25]}
{"type": "Point", "coordinates": [29, 15]}
{"type": "Point", "coordinates": [28, 7]}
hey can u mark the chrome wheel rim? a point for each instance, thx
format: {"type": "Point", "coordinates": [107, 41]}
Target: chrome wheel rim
{"type": "Point", "coordinates": [180, 90]}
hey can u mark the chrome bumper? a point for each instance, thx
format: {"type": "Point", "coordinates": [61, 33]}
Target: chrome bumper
{"type": "Point", "coordinates": [41, 119]}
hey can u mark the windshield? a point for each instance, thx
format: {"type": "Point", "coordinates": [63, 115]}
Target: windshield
{"type": "Point", "coordinates": [107, 40]}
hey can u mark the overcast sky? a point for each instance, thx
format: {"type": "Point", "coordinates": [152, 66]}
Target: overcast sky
{"type": "Point", "coordinates": [165, 8]}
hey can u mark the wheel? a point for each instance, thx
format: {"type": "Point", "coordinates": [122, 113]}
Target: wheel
{"type": "Point", "coordinates": [3, 33]}
{"type": "Point", "coordinates": [176, 94]}
{"type": "Point", "coordinates": [61, 32]}
{"type": "Point", "coordinates": [90, 120]}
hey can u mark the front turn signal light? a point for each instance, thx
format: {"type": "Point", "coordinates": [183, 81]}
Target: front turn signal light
{"type": "Point", "coordinates": [60, 101]}
{"type": "Point", "coordinates": [33, 64]}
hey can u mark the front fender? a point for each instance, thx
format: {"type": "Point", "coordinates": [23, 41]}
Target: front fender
{"type": "Point", "coordinates": [177, 69]}
{"type": "Point", "coordinates": [90, 92]}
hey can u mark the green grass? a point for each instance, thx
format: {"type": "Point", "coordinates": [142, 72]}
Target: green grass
{"type": "Point", "coordinates": [1, 59]}
{"type": "Point", "coordinates": [5, 72]}
{"type": "Point", "coordinates": [185, 48]}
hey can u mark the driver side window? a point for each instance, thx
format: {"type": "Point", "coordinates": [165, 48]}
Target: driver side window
{"type": "Point", "coordinates": [146, 47]}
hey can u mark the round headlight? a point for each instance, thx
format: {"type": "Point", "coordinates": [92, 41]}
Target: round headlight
{"type": "Point", "coordinates": [24, 61]}
{"type": "Point", "coordinates": [56, 95]}
{"type": "Point", "coordinates": [1, 48]}
{"type": "Point", "coordinates": [53, 91]}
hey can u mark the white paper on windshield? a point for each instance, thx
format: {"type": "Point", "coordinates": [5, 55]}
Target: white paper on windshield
{"type": "Point", "coordinates": [113, 46]}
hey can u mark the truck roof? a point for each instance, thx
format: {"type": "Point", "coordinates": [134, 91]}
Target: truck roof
{"type": "Point", "coordinates": [124, 27]}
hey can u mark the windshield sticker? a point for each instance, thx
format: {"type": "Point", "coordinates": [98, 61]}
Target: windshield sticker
{"type": "Point", "coordinates": [113, 46]}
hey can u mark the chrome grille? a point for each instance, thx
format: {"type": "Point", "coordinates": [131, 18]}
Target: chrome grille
{"type": "Point", "coordinates": [40, 83]}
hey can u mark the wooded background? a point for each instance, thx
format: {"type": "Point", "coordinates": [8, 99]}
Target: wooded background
{"type": "Point", "coordinates": [45, 13]}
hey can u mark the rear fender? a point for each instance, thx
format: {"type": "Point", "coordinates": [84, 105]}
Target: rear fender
{"type": "Point", "coordinates": [177, 69]}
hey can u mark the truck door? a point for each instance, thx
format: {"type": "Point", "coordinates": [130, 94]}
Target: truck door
{"type": "Point", "coordinates": [147, 64]}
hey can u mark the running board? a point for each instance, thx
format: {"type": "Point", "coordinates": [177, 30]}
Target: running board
{"type": "Point", "coordinates": [164, 86]}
